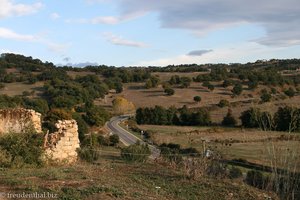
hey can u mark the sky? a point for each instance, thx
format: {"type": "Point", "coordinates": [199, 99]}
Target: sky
{"type": "Point", "coordinates": [150, 32]}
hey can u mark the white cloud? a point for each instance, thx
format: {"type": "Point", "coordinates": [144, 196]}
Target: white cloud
{"type": "Point", "coordinates": [105, 20]}
{"type": "Point", "coordinates": [119, 40]}
{"type": "Point", "coordinates": [10, 34]}
{"type": "Point", "coordinates": [241, 53]}
{"type": "Point", "coordinates": [56, 47]}
{"type": "Point", "coordinates": [54, 16]}
{"type": "Point", "coordinates": [8, 8]}
{"type": "Point", "coordinates": [279, 18]}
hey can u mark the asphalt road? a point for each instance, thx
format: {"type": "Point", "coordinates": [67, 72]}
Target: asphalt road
{"type": "Point", "coordinates": [126, 137]}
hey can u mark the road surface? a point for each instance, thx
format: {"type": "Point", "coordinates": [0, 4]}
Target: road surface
{"type": "Point", "coordinates": [126, 137]}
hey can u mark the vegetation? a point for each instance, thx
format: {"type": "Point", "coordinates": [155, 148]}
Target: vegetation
{"type": "Point", "coordinates": [20, 150]}
{"type": "Point", "coordinates": [183, 116]}
{"type": "Point", "coordinates": [135, 153]}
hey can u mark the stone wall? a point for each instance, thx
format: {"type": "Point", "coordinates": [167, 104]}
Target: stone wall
{"type": "Point", "coordinates": [61, 145]}
{"type": "Point", "coordinates": [19, 120]}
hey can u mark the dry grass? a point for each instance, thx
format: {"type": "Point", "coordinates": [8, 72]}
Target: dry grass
{"type": "Point", "coordinates": [17, 88]}
{"type": "Point", "coordinates": [112, 178]}
{"type": "Point", "coordinates": [251, 145]}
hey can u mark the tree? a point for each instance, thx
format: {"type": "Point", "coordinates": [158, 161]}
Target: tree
{"type": "Point", "coordinates": [223, 103]}
{"type": "Point", "coordinates": [114, 140]}
{"type": "Point", "coordinates": [229, 119]}
{"type": "Point", "coordinates": [237, 89]}
{"type": "Point", "coordinates": [169, 91]}
{"type": "Point", "coordinates": [250, 118]}
{"type": "Point", "coordinates": [96, 116]}
{"type": "Point", "coordinates": [197, 99]}
{"type": "Point", "coordinates": [287, 119]}
{"type": "Point", "coordinates": [152, 82]}
{"type": "Point", "coordinates": [211, 87]}
{"type": "Point", "coordinates": [265, 96]}
{"type": "Point", "coordinates": [290, 92]}
{"type": "Point", "coordinates": [122, 106]}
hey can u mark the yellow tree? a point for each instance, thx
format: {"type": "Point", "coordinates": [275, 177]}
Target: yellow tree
{"type": "Point", "coordinates": [123, 106]}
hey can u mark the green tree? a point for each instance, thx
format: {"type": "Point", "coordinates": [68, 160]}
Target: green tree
{"type": "Point", "coordinates": [197, 99]}
{"type": "Point", "coordinates": [237, 89]}
{"type": "Point", "coordinates": [229, 119]}
{"type": "Point", "coordinates": [114, 140]}
{"type": "Point", "coordinates": [290, 92]}
{"type": "Point", "coordinates": [169, 91]}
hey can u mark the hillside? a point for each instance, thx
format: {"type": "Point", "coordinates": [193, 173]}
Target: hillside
{"type": "Point", "coordinates": [246, 114]}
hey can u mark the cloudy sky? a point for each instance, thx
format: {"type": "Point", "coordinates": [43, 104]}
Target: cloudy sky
{"type": "Point", "coordinates": [150, 32]}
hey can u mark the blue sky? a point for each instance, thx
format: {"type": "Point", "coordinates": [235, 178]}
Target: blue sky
{"type": "Point", "coordinates": [156, 32]}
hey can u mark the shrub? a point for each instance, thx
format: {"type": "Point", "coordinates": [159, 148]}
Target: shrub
{"type": "Point", "coordinates": [265, 96]}
{"type": "Point", "coordinates": [114, 140]}
{"type": "Point", "coordinates": [250, 118]}
{"type": "Point", "coordinates": [22, 149]}
{"type": "Point", "coordinates": [197, 99]}
{"type": "Point", "coordinates": [229, 119]}
{"type": "Point", "coordinates": [235, 172]}
{"type": "Point", "coordinates": [135, 153]}
{"type": "Point", "coordinates": [223, 103]}
{"type": "Point", "coordinates": [88, 154]}
{"type": "Point", "coordinates": [256, 179]}
{"type": "Point", "coordinates": [237, 89]}
{"type": "Point", "coordinates": [169, 91]}
{"type": "Point", "coordinates": [103, 140]}
{"type": "Point", "coordinates": [290, 92]}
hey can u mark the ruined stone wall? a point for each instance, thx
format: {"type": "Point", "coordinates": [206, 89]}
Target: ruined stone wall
{"type": "Point", "coordinates": [61, 146]}
{"type": "Point", "coordinates": [19, 120]}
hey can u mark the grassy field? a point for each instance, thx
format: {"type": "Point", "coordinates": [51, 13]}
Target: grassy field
{"type": "Point", "coordinates": [252, 145]}
{"type": "Point", "coordinates": [112, 178]}
{"type": "Point", "coordinates": [18, 88]}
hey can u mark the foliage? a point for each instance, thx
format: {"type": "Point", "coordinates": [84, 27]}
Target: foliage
{"type": "Point", "coordinates": [122, 106]}
{"type": "Point", "coordinates": [23, 149]}
{"type": "Point", "coordinates": [152, 82]}
{"type": "Point", "coordinates": [265, 96]}
{"type": "Point", "coordinates": [82, 126]}
{"type": "Point", "coordinates": [237, 89]}
{"type": "Point", "coordinates": [287, 119]}
{"type": "Point", "coordinates": [114, 140]}
{"type": "Point", "coordinates": [169, 91]}
{"type": "Point", "coordinates": [96, 116]}
{"type": "Point", "coordinates": [229, 119]}
{"type": "Point", "coordinates": [197, 99]}
{"type": "Point", "coordinates": [223, 103]}
{"type": "Point", "coordinates": [162, 116]}
{"type": "Point", "coordinates": [235, 172]}
{"type": "Point", "coordinates": [250, 118]}
{"type": "Point", "coordinates": [136, 153]}
{"type": "Point", "coordinates": [256, 179]}
{"type": "Point", "coordinates": [88, 154]}
{"type": "Point", "coordinates": [290, 92]}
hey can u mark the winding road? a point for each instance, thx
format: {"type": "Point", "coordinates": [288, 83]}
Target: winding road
{"type": "Point", "coordinates": [126, 137]}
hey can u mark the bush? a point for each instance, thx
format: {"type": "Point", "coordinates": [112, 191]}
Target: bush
{"type": "Point", "coordinates": [290, 92]}
{"type": "Point", "coordinates": [235, 172]}
{"type": "Point", "coordinates": [103, 140]}
{"type": "Point", "coordinates": [250, 118]}
{"type": "Point", "coordinates": [223, 103]}
{"type": "Point", "coordinates": [237, 89]}
{"type": "Point", "coordinates": [114, 140]}
{"type": "Point", "coordinates": [256, 179]}
{"type": "Point", "coordinates": [229, 119]}
{"type": "Point", "coordinates": [135, 153]}
{"type": "Point", "coordinates": [169, 91]}
{"type": "Point", "coordinates": [21, 149]}
{"type": "Point", "coordinates": [265, 96]}
{"type": "Point", "coordinates": [197, 99]}
{"type": "Point", "coordinates": [88, 154]}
